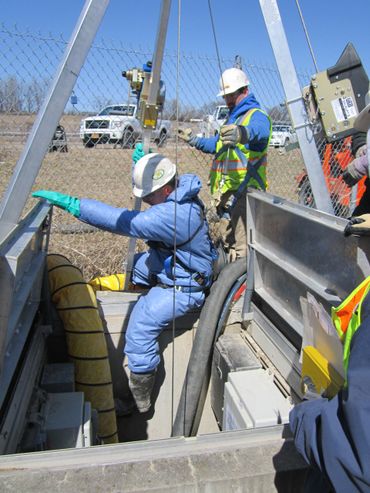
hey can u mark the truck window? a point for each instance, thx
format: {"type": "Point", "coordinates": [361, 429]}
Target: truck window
{"type": "Point", "coordinates": [118, 110]}
{"type": "Point", "coordinates": [223, 113]}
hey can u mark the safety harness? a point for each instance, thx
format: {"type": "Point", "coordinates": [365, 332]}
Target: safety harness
{"type": "Point", "coordinates": [173, 259]}
{"type": "Point", "coordinates": [252, 162]}
{"type": "Point", "coordinates": [252, 173]}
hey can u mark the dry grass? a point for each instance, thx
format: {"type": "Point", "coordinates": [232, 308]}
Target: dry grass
{"type": "Point", "coordinates": [104, 173]}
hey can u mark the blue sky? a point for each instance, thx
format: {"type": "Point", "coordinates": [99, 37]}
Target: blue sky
{"type": "Point", "coordinates": [330, 23]}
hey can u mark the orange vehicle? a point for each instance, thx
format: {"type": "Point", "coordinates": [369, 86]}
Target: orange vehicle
{"type": "Point", "coordinates": [334, 162]}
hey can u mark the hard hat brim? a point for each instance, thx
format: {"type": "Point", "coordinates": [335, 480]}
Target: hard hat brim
{"type": "Point", "coordinates": [221, 94]}
{"type": "Point", "coordinates": [226, 92]}
{"type": "Point", "coordinates": [138, 192]}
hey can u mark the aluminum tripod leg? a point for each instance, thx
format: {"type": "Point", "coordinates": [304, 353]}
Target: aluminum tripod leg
{"type": "Point", "coordinates": [296, 105]}
{"type": "Point", "coordinates": [153, 90]}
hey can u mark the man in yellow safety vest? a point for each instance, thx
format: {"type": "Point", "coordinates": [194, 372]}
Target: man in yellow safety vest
{"type": "Point", "coordinates": [240, 157]}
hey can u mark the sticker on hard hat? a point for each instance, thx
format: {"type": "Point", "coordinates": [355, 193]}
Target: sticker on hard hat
{"type": "Point", "coordinates": [158, 174]}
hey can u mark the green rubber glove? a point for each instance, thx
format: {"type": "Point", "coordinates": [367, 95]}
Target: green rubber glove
{"type": "Point", "coordinates": [139, 152]}
{"type": "Point", "coordinates": [66, 202]}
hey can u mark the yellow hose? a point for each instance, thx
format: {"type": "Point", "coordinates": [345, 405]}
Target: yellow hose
{"type": "Point", "coordinates": [76, 304]}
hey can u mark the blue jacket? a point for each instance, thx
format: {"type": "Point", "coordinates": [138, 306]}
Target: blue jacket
{"type": "Point", "coordinates": [334, 436]}
{"type": "Point", "coordinates": [158, 224]}
{"type": "Point", "coordinates": [259, 128]}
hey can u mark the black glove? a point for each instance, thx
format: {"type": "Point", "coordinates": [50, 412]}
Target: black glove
{"type": "Point", "coordinates": [359, 226]}
{"type": "Point", "coordinates": [351, 175]}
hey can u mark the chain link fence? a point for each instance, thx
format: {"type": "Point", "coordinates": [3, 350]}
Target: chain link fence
{"type": "Point", "coordinates": [100, 168]}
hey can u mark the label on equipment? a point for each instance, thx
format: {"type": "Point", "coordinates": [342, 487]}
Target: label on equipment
{"type": "Point", "coordinates": [344, 108]}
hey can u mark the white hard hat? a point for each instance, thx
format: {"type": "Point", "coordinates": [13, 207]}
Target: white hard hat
{"type": "Point", "coordinates": [152, 172]}
{"type": "Point", "coordinates": [231, 80]}
{"type": "Point", "coordinates": [362, 122]}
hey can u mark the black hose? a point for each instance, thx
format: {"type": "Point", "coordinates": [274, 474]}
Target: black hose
{"type": "Point", "coordinates": [198, 371]}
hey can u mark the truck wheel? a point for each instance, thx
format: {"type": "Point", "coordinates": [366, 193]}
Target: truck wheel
{"type": "Point", "coordinates": [128, 140]}
{"type": "Point", "coordinates": [161, 141]}
{"type": "Point", "coordinates": [89, 143]}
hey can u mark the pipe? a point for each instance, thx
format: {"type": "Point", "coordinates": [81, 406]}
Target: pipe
{"type": "Point", "coordinates": [87, 348]}
{"type": "Point", "coordinates": [198, 371]}
{"type": "Point", "coordinates": [153, 90]}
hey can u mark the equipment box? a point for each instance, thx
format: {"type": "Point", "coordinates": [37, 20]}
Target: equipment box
{"type": "Point", "coordinates": [231, 354]}
{"type": "Point", "coordinates": [252, 400]}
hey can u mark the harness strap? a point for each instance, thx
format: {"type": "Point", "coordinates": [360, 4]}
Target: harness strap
{"type": "Point", "coordinates": [169, 263]}
{"type": "Point", "coordinates": [183, 289]}
{"type": "Point", "coordinates": [251, 173]}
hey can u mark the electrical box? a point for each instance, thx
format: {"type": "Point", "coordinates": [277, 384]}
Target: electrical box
{"type": "Point", "coordinates": [231, 354]}
{"type": "Point", "coordinates": [252, 400]}
{"type": "Point", "coordinates": [336, 96]}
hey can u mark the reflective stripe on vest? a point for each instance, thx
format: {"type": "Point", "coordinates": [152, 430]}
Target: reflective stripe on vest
{"type": "Point", "coordinates": [347, 317]}
{"type": "Point", "coordinates": [231, 165]}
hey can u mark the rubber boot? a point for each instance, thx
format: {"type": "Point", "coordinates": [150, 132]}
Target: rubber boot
{"type": "Point", "coordinates": [141, 386]}
{"type": "Point", "coordinates": [125, 406]}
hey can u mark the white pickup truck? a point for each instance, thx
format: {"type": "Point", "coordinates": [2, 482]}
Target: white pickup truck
{"type": "Point", "coordinates": [117, 124]}
{"type": "Point", "coordinates": [282, 135]}
{"type": "Point", "coordinates": [217, 119]}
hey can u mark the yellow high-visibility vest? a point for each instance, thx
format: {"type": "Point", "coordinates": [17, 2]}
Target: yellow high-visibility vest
{"type": "Point", "coordinates": [231, 165]}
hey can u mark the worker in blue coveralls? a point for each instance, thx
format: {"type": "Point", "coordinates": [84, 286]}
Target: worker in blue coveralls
{"type": "Point", "coordinates": [177, 267]}
{"type": "Point", "coordinates": [333, 435]}
{"type": "Point", "coordinates": [240, 158]}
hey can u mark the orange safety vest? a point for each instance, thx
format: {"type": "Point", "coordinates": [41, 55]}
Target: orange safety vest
{"type": "Point", "coordinates": [347, 317]}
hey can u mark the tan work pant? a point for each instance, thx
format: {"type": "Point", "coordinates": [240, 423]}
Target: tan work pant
{"type": "Point", "coordinates": [234, 231]}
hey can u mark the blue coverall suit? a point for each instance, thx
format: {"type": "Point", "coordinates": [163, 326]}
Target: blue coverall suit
{"type": "Point", "coordinates": [334, 436]}
{"type": "Point", "coordinates": [190, 272]}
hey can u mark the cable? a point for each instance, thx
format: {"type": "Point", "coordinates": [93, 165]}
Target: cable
{"type": "Point", "coordinates": [216, 45]}
{"type": "Point", "coordinates": [175, 212]}
{"type": "Point", "coordinates": [307, 37]}
{"type": "Point", "coordinates": [226, 165]}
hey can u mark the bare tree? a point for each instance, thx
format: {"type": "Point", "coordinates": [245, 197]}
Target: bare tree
{"type": "Point", "coordinates": [279, 114]}
{"type": "Point", "coordinates": [34, 95]}
{"type": "Point", "coordinates": [10, 95]}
